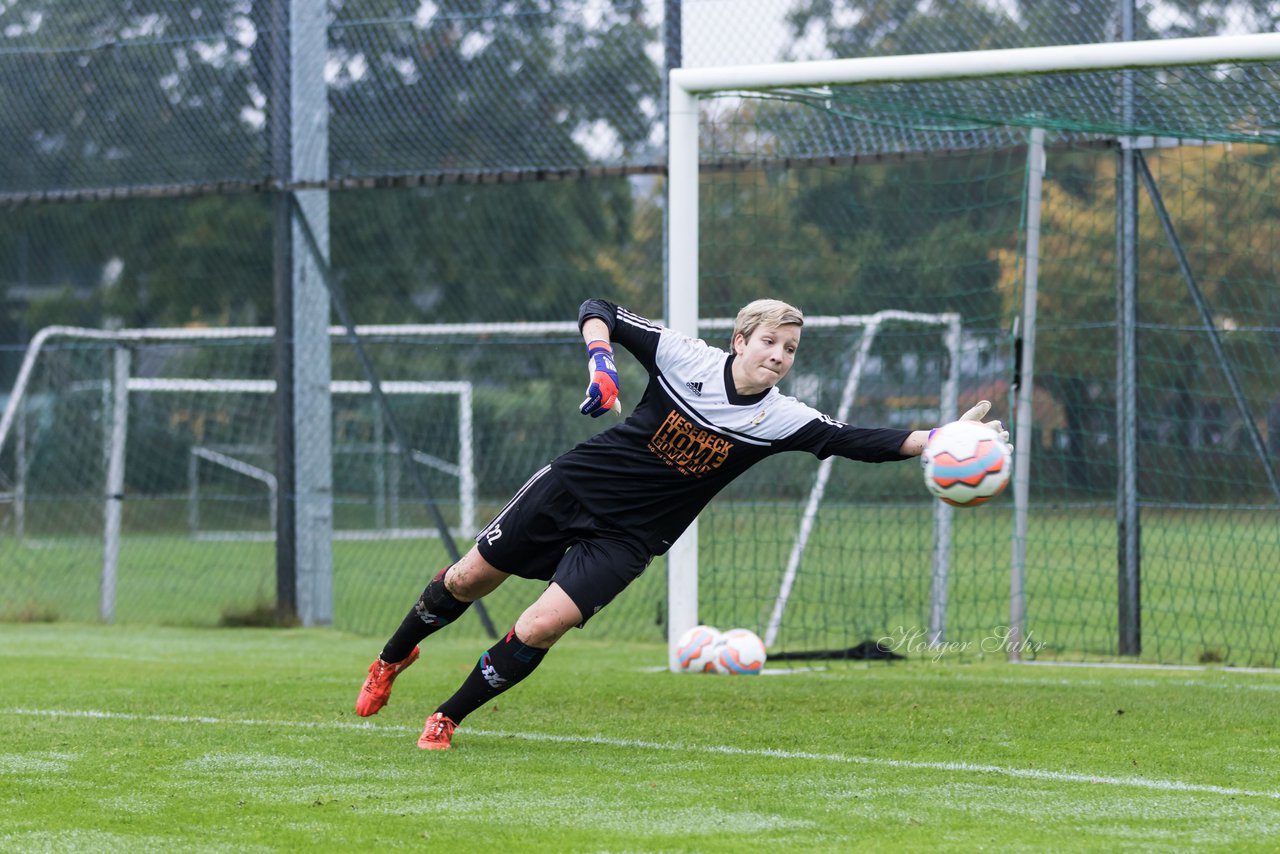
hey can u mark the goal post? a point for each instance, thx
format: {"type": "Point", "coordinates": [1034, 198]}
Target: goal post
{"type": "Point", "coordinates": [688, 87]}
{"type": "Point", "coordinates": [195, 426]}
{"type": "Point", "coordinates": [75, 388]}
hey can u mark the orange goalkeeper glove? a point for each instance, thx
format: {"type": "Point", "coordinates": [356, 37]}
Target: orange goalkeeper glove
{"type": "Point", "coordinates": [602, 393]}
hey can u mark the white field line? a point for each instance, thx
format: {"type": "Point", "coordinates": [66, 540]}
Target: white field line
{"type": "Point", "coordinates": [718, 750]}
{"type": "Point", "coordinates": [768, 671]}
{"type": "Point", "coordinates": [1093, 683]}
{"type": "Point", "coordinates": [109, 656]}
{"type": "Point", "coordinates": [1138, 665]}
{"type": "Point", "coordinates": [1239, 679]}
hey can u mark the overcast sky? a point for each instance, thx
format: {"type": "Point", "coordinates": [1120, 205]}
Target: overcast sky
{"type": "Point", "coordinates": [733, 32]}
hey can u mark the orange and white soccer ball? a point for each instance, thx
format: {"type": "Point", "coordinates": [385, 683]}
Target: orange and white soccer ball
{"type": "Point", "coordinates": [696, 650]}
{"type": "Point", "coordinates": [966, 463]}
{"type": "Point", "coordinates": [740, 652]}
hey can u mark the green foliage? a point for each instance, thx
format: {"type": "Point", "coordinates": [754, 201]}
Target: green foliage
{"type": "Point", "coordinates": [1223, 212]}
{"type": "Point", "coordinates": [482, 253]}
{"type": "Point", "coordinates": [143, 93]}
{"type": "Point", "coordinates": [65, 307]}
{"type": "Point", "coordinates": [903, 26]}
{"type": "Point", "coordinates": [168, 94]}
{"type": "Point", "coordinates": [915, 235]}
{"type": "Point", "coordinates": [561, 71]}
{"type": "Point", "coordinates": [203, 261]}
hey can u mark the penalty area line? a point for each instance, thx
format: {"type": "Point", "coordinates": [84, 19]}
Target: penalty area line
{"type": "Point", "coordinates": [673, 747]}
{"type": "Point", "coordinates": [767, 671]}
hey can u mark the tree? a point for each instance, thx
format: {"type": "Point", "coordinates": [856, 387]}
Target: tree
{"type": "Point", "coordinates": [146, 93]}
{"type": "Point", "coordinates": [1222, 203]}
{"type": "Point", "coordinates": [852, 28]}
{"type": "Point", "coordinates": [530, 85]}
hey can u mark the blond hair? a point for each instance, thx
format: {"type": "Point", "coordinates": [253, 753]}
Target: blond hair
{"type": "Point", "coordinates": [764, 312]}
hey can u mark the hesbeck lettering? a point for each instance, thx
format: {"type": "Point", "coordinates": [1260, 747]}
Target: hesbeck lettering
{"type": "Point", "coordinates": [689, 448]}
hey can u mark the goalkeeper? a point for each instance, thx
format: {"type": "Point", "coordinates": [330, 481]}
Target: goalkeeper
{"type": "Point", "coordinates": [590, 522]}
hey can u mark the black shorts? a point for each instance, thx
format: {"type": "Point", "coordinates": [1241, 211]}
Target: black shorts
{"type": "Point", "coordinates": [546, 534]}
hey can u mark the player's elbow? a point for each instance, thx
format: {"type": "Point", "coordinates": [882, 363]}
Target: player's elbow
{"type": "Point", "coordinates": [602, 309]}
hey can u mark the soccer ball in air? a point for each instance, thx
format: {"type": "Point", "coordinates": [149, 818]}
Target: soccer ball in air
{"type": "Point", "coordinates": [695, 652]}
{"type": "Point", "coordinates": [966, 463]}
{"type": "Point", "coordinates": [740, 652]}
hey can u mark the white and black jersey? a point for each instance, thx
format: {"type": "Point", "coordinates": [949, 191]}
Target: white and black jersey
{"type": "Point", "coordinates": [691, 434]}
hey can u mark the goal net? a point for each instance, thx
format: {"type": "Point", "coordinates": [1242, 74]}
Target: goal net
{"type": "Point", "coordinates": [164, 497]}
{"type": "Point", "coordinates": [1098, 215]}
{"type": "Point", "coordinates": [371, 499]}
{"type": "Point", "coordinates": [141, 462]}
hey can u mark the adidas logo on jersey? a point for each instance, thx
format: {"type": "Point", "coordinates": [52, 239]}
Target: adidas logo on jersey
{"type": "Point", "coordinates": [696, 388]}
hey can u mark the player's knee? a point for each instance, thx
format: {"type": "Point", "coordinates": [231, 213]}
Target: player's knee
{"type": "Point", "coordinates": [472, 578]}
{"type": "Point", "coordinates": [456, 585]}
{"type": "Point", "coordinates": [541, 628]}
{"type": "Point", "coordinates": [464, 586]}
{"type": "Point", "coordinates": [547, 620]}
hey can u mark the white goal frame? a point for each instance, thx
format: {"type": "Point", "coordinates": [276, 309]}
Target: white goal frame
{"type": "Point", "coordinates": [463, 469]}
{"type": "Point", "coordinates": [686, 85]}
{"type": "Point", "coordinates": [122, 383]}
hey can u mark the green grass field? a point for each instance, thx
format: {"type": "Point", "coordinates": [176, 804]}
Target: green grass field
{"type": "Point", "coordinates": [179, 739]}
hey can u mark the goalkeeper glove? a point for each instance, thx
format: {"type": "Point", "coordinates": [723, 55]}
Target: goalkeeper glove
{"type": "Point", "coordinates": [975, 413]}
{"type": "Point", "coordinates": [602, 393]}
{"type": "Point", "coordinates": [980, 409]}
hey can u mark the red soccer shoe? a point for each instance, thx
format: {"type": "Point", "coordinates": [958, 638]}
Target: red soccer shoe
{"type": "Point", "coordinates": [438, 733]}
{"type": "Point", "coordinates": [376, 690]}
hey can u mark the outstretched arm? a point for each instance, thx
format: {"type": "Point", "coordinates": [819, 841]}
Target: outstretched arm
{"type": "Point", "coordinates": [913, 445]}
{"type": "Point", "coordinates": [595, 329]}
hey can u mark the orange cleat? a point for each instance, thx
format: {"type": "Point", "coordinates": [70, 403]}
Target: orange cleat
{"type": "Point", "coordinates": [438, 733]}
{"type": "Point", "coordinates": [376, 690]}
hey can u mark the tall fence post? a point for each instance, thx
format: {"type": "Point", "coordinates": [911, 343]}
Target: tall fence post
{"type": "Point", "coordinates": [304, 459]}
{"type": "Point", "coordinates": [1023, 417]}
{"type": "Point", "coordinates": [113, 500]}
{"type": "Point", "coordinates": [1128, 523]}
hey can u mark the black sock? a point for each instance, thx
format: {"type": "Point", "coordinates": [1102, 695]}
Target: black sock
{"type": "Point", "coordinates": [506, 663]}
{"type": "Point", "coordinates": [435, 609]}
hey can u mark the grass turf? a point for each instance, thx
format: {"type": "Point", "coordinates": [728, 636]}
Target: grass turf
{"type": "Point", "coordinates": [1209, 590]}
{"type": "Point", "coordinates": [133, 738]}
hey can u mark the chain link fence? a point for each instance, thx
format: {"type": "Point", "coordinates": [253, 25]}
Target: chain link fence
{"type": "Point", "coordinates": [500, 162]}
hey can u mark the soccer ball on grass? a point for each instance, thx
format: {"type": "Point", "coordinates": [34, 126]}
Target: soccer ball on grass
{"type": "Point", "coordinates": [739, 652]}
{"type": "Point", "coordinates": [695, 652]}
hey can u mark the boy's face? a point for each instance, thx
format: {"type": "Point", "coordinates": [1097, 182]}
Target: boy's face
{"type": "Point", "coordinates": [767, 356]}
